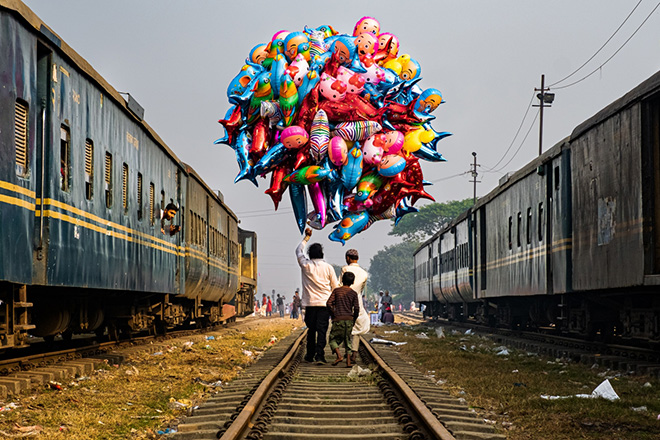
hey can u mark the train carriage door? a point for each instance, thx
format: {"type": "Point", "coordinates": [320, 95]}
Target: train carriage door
{"type": "Point", "coordinates": [43, 137]}
{"type": "Point", "coordinates": [180, 262]}
{"type": "Point", "coordinates": [651, 184]}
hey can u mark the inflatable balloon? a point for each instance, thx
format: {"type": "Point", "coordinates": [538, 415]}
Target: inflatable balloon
{"type": "Point", "coordinates": [339, 118]}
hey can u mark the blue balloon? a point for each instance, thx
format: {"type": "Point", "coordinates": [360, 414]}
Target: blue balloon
{"type": "Point", "coordinates": [243, 81]}
{"type": "Point", "coordinates": [350, 225]}
{"type": "Point", "coordinates": [427, 153]}
{"type": "Point", "coordinates": [403, 209]}
{"type": "Point", "coordinates": [271, 160]}
{"type": "Point", "coordinates": [277, 72]}
{"type": "Point", "coordinates": [299, 203]}
{"type": "Point", "coordinates": [242, 147]}
{"type": "Point", "coordinates": [352, 171]}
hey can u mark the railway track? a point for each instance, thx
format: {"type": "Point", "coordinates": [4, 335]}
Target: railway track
{"type": "Point", "coordinates": [283, 397]}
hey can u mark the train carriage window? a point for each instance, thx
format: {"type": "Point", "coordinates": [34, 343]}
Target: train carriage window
{"type": "Point", "coordinates": [529, 225]}
{"type": "Point", "coordinates": [139, 196]}
{"type": "Point", "coordinates": [519, 228]}
{"type": "Point", "coordinates": [124, 188]}
{"type": "Point", "coordinates": [541, 221]}
{"type": "Point", "coordinates": [152, 195]}
{"type": "Point", "coordinates": [162, 200]}
{"type": "Point", "coordinates": [510, 233]}
{"type": "Point", "coordinates": [89, 169]}
{"type": "Point", "coordinates": [21, 137]}
{"type": "Point", "coordinates": [435, 265]}
{"type": "Point", "coordinates": [108, 180]}
{"type": "Point", "coordinates": [65, 158]}
{"type": "Point", "coordinates": [556, 178]}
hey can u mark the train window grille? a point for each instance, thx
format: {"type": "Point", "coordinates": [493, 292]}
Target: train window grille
{"type": "Point", "coordinates": [124, 187]}
{"type": "Point", "coordinates": [89, 169]}
{"type": "Point", "coordinates": [510, 232]}
{"type": "Point", "coordinates": [65, 158]}
{"type": "Point", "coordinates": [529, 225]}
{"type": "Point", "coordinates": [21, 137]}
{"type": "Point", "coordinates": [519, 229]}
{"type": "Point", "coordinates": [139, 196]}
{"type": "Point", "coordinates": [152, 195]}
{"type": "Point", "coordinates": [108, 180]}
{"type": "Point", "coordinates": [540, 222]}
{"type": "Point", "coordinates": [556, 178]}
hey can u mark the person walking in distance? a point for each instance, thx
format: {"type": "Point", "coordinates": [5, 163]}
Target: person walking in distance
{"type": "Point", "coordinates": [361, 325]}
{"type": "Point", "coordinates": [387, 304]}
{"type": "Point", "coordinates": [344, 308]}
{"type": "Point", "coordinates": [318, 282]}
{"type": "Point", "coordinates": [381, 308]}
{"type": "Point", "coordinates": [295, 305]}
{"type": "Point", "coordinates": [269, 307]}
{"type": "Point", "coordinates": [280, 305]}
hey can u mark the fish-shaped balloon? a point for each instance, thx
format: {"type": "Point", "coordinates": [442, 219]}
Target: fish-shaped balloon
{"type": "Point", "coordinates": [277, 154]}
{"type": "Point", "coordinates": [356, 130]}
{"type": "Point", "coordinates": [319, 136]}
{"type": "Point", "coordinates": [318, 200]}
{"type": "Point", "coordinates": [350, 225]}
{"type": "Point", "coordinates": [242, 147]}
{"type": "Point", "coordinates": [288, 100]}
{"type": "Point", "coordinates": [299, 203]}
{"type": "Point", "coordinates": [367, 187]}
{"type": "Point", "coordinates": [308, 175]}
{"type": "Point", "coordinates": [352, 171]}
{"type": "Point", "coordinates": [262, 92]}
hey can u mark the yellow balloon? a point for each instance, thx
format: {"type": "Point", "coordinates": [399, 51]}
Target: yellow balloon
{"type": "Point", "coordinates": [413, 139]}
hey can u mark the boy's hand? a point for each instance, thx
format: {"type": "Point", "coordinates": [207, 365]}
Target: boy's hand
{"type": "Point", "coordinates": [308, 232]}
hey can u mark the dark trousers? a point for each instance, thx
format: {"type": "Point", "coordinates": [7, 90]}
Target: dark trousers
{"type": "Point", "coordinates": [317, 321]}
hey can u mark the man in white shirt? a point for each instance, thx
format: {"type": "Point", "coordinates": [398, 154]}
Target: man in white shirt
{"type": "Point", "coordinates": [318, 282]}
{"type": "Point", "coordinates": [361, 325]}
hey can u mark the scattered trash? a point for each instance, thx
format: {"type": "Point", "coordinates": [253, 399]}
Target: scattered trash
{"type": "Point", "coordinates": [187, 346]}
{"type": "Point", "coordinates": [81, 378]}
{"type": "Point", "coordinates": [55, 385]}
{"type": "Point", "coordinates": [519, 384]}
{"type": "Point", "coordinates": [166, 431]}
{"type": "Point", "coordinates": [463, 347]}
{"type": "Point", "coordinates": [492, 422]}
{"type": "Point", "coordinates": [101, 423]}
{"type": "Point", "coordinates": [469, 332]}
{"type": "Point", "coordinates": [639, 408]}
{"type": "Point", "coordinates": [158, 353]}
{"type": "Point", "coordinates": [178, 404]}
{"type": "Point", "coordinates": [440, 332]}
{"type": "Point", "coordinates": [207, 347]}
{"type": "Point", "coordinates": [422, 335]}
{"type": "Point", "coordinates": [8, 407]}
{"type": "Point", "coordinates": [248, 353]}
{"type": "Point", "coordinates": [386, 342]}
{"type": "Point", "coordinates": [504, 352]}
{"type": "Point", "coordinates": [273, 340]}
{"type": "Point", "coordinates": [209, 338]}
{"type": "Point", "coordinates": [358, 371]}
{"type": "Point", "coordinates": [647, 385]}
{"type": "Point", "coordinates": [515, 371]}
{"type": "Point", "coordinates": [441, 382]}
{"type": "Point", "coordinates": [28, 430]}
{"type": "Point", "coordinates": [603, 390]}
{"type": "Point", "coordinates": [391, 331]}
{"type": "Point", "coordinates": [133, 371]}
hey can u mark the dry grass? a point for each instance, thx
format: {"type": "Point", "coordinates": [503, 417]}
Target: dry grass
{"type": "Point", "coordinates": [137, 399]}
{"type": "Point", "coordinates": [508, 389]}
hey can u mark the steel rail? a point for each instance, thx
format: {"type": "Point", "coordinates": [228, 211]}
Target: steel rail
{"type": "Point", "coordinates": [244, 420]}
{"type": "Point", "coordinates": [431, 424]}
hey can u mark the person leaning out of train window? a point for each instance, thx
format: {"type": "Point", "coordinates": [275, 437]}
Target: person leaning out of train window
{"type": "Point", "coordinates": [168, 216]}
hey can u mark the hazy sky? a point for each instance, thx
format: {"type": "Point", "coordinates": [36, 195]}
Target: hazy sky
{"type": "Point", "coordinates": [177, 57]}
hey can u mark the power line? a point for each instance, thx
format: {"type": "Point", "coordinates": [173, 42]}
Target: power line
{"type": "Point", "coordinates": [613, 55]}
{"type": "Point", "coordinates": [520, 146]}
{"type": "Point", "coordinates": [489, 169]}
{"type": "Point", "coordinates": [450, 177]}
{"type": "Point", "coordinates": [601, 47]}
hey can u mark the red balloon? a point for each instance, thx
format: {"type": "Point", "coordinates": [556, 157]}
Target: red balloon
{"type": "Point", "coordinates": [259, 145]}
{"type": "Point", "coordinates": [308, 109]}
{"type": "Point", "coordinates": [277, 184]}
{"type": "Point", "coordinates": [232, 125]}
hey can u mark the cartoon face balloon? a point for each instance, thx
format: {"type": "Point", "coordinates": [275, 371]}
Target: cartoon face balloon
{"type": "Point", "coordinates": [259, 53]}
{"type": "Point", "coordinates": [344, 49]}
{"type": "Point", "coordinates": [391, 165]}
{"type": "Point", "coordinates": [294, 137]}
{"type": "Point", "coordinates": [366, 44]}
{"type": "Point", "coordinates": [373, 75]}
{"type": "Point", "coordinates": [389, 44]}
{"type": "Point", "coordinates": [338, 151]}
{"type": "Point", "coordinates": [428, 101]}
{"type": "Point", "coordinates": [393, 142]}
{"type": "Point", "coordinates": [331, 88]}
{"type": "Point", "coordinates": [366, 24]}
{"type": "Point", "coordinates": [373, 153]}
{"type": "Point", "coordinates": [298, 69]}
{"type": "Point", "coordinates": [295, 43]}
{"type": "Point", "coordinates": [353, 81]}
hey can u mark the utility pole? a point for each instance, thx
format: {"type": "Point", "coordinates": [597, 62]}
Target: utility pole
{"type": "Point", "coordinates": [474, 177]}
{"type": "Point", "coordinates": [545, 100]}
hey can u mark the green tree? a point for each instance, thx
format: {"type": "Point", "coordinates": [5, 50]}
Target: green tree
{"type": "Point", "coordinates": [392, 269]}
{"type": "Point", "coordinates": [419, 226]}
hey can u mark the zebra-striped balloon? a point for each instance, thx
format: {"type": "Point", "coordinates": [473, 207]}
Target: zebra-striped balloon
{"type": "Point", "coordinates": [319, 136]}
{"type": "Point", "coordinates": [356, 130]}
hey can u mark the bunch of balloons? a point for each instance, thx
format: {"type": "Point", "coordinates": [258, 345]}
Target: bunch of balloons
{"type": "Point", "coordinates": [337, 116]}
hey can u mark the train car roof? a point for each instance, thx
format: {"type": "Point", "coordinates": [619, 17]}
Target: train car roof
{"type": "Point", "coordinates": [21, 10]}
{"type": "Point", "coordinates": [643, 90]}
{"type": "Point", "coordinates": [213, 194]}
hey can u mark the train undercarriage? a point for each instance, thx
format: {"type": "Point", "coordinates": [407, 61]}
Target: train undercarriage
{"type": "Point", "coordinates": [631, 317]}
{"type": "Point", "coordinates": [27, 312]}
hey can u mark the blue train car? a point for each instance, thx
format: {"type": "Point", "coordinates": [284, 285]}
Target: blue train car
{"type": "Point", "coordinates": [83, 184]}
